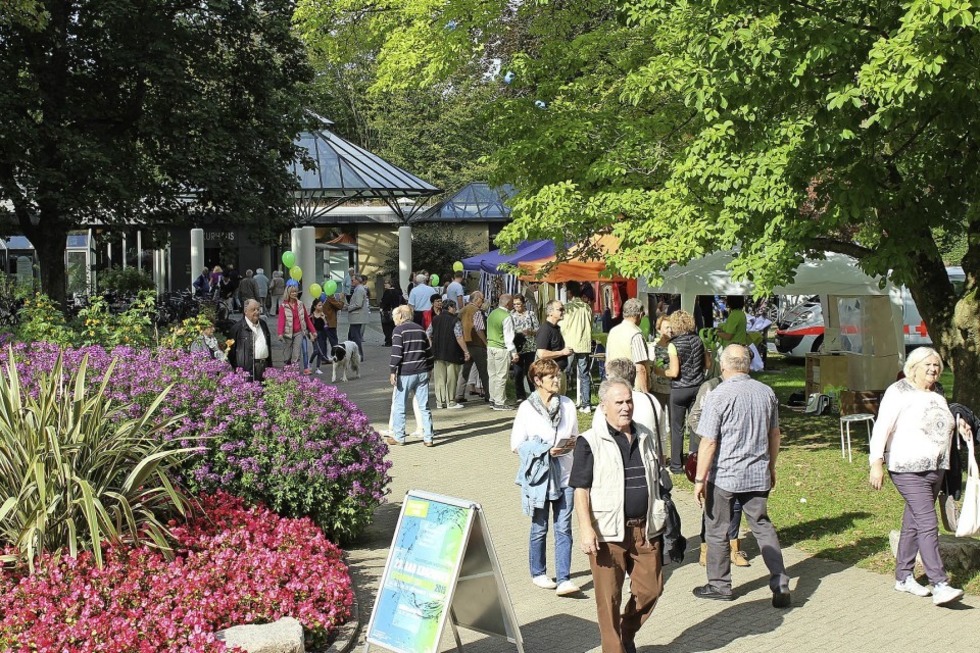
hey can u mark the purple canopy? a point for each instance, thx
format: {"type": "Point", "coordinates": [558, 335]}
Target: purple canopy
{"type": "Point", "coordinates": [533, 250]}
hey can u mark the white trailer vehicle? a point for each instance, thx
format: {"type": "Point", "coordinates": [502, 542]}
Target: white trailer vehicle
{"type": "Point", "coordinates": [800, 330]}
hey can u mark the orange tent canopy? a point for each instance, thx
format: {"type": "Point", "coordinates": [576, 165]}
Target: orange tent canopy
{"type": "Point", "coordinates": [575, 269]}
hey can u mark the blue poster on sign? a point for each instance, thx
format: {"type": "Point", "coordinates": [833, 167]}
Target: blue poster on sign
{"type": "Point", "coordinates": [423, 565]}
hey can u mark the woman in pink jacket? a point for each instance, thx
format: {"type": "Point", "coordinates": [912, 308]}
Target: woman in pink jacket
{"type": "Point", "coordinates": [295, 327]}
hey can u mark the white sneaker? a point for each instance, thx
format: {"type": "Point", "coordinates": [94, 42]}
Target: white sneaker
{"type": "Point", "coordinates": [585, 409]}
{"type": "Point", "coordinates": [566, 588]}
{"type": "Point", "coordinates": [544, 582]}
{"type": "Point", "coordinates": [942, 594]}
{"type": "Point", "coordinates": [319, 371]}
{"type": "Point", "coordinates": [911, 586]}
{"type": "Point", "coordinates": [454, 406]}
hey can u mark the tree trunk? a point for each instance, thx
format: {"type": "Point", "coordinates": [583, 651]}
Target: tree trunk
{"type": "Point", "coordinates": [50, 246]}
{"type": "Point", "coordinates": [953, 323]}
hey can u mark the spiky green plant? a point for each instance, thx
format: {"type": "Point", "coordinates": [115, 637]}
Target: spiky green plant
{"type": "Point", "coordinates": [77, 470]}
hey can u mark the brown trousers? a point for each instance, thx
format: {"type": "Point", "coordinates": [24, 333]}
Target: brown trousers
{"type": "Point", "coordinates": [643, 561]}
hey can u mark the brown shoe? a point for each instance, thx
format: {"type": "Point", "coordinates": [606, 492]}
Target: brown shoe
{"type": "Point", "coordinates": [393, 442]}
{"type": "Point", "coordinates": [429, 444]}
{"type": "Point", "coordinates": [739, 559]}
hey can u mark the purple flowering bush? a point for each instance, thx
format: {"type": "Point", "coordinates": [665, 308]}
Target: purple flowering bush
{"type": "Point", "coordinates": [297, 445]}
{"type": "Point", "coordinates": [312, 452]}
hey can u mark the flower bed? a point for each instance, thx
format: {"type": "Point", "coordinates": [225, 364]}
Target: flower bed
{"type": "Point", "coordinates": [297, 445]}
{"type": "Point", "coordinates": [234, 565]}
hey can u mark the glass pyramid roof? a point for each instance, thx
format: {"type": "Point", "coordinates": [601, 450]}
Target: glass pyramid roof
{"type": "Point", "coordinates": [477, 202]}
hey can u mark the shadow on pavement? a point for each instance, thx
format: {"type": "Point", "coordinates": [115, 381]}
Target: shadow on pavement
{"type": "Point", "coordinates": [806, 530]}
{"type": "Point", "coordinates": [575, 633]}
{"type": "Point", "coordinates": [745, 619]}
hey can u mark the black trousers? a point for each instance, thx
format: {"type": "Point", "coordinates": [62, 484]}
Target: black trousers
{"type": "Point", "coordinates": [520, 369]}
{"type": "Point", "coordinates": [388, 326]}
{"type": "Point", "coordinates": [681, 400]}
{"type": "Point", "coordinates": [478, 357]}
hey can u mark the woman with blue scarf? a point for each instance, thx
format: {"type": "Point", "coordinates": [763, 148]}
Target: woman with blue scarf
{"type": "Point", "coordinates": [544, 435]}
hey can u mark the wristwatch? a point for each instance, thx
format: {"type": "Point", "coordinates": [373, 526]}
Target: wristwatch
{"type": "Point", "coordinates": [698, 480]}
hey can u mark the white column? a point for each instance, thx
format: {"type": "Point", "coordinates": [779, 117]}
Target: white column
{"type": "Point", "coordinates": [139, 251]}
{"type": "Point", "coordinates": [306, 257]}
{"type": "Point", "coordinates": [295, 243]}
{"type": "Point", "coordinates": [267, 261]}
{"type": "Point", "coordinates": [158, 269]}
{"type": "Point", "coordinates": [197, 252]}
{"type": "Point", "coordinates": [170, 269]}
{"type": "Point", "coordinates": [404, 256]}
{"type": "Point", "coordinates": [124, 250]}
{"type": "Point", "coordinates": [296, 247]}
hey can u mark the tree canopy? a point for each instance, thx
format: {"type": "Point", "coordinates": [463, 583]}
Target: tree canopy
{"type": "Point", "coordinates": [775, 127]}
{"type": "Point", "coordinates": [147, 112]}
{"type": "Point", "coordinates": [437, 132]}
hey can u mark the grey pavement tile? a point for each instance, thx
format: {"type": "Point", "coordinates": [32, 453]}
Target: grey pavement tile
{"type": "Point", "coordinates": [835, 607]}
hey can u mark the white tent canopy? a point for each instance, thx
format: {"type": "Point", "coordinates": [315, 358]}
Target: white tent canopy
{"type": "Point", "coordinates": [709, 275]}
{"type": "Point", "coordinates": [837, 275]}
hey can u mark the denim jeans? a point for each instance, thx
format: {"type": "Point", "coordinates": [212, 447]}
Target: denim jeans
{"type": "Point", "coordinates": [562, 508]}
{"type": "Point", "coordinates": [405, 386]}
{"type": "Point", "coordinates": [579, 363]}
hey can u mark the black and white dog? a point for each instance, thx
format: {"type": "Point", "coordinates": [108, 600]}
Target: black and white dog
{"type": "Point", "coordinates": [347, 356]}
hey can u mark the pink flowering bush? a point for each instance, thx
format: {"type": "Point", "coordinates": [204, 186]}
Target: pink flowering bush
{"type": "Point", "coordinates": [234, 565]}
{"type": "Point", "coordinates": [297, 445]}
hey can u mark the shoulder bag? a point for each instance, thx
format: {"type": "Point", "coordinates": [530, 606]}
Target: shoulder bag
{"type": "Point", "coordinates": [968, 523]}
{"type": "Point", "coordinates": [665, 513]}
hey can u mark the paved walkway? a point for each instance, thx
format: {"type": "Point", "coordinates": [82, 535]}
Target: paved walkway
{"type": "Point", "coordinates": [835, 607]}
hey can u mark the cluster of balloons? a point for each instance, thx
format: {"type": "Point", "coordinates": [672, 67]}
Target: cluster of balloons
{"type": "Point", "coordinates": [295, 271]}
{"type": "Point", "coordinates": [296, 275]}
{"type": "Point", "coordinates": [328, 288]}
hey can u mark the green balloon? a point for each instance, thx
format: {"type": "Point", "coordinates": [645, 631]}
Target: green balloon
{"type": "Point", "coordinates": [288, 259]}
{"type": "Point", "coordinates": [296, 273]}
{"type": "Point", "coordinates": [458, 266]}
{"type": "Point", "coordinates": [315, 290]}
{"type": "Point", "coordinates": [330, 287]}
{"type": "Point", "coordinates": [434, 280]}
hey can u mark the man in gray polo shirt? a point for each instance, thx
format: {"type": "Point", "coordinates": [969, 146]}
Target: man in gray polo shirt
{"type": "Point", "coordinates": [739, 431]}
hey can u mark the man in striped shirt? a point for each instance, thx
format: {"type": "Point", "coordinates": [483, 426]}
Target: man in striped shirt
{"type": "Point", "coordinates": [410, 362]}
{"type": "Point", "coordinates": [739, 431]}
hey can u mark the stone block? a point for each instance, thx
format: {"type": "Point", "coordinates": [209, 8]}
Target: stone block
{"type": "Point", "coordinates": [283, 636]}
{"type": "Point", "coordinates": [959, 554]}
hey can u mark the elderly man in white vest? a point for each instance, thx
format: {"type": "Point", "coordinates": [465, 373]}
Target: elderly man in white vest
{"type": "Point", "coordinates": [614, 472]}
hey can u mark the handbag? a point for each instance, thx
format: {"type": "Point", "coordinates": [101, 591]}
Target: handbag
{"type": "Point", "coordinates": [665, 513]}
{"type": "Point", "coordinates": [968, 523]}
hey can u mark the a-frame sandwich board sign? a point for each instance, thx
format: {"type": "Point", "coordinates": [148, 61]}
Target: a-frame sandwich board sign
{"type": "Point", "coordinates": [441, 567]}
